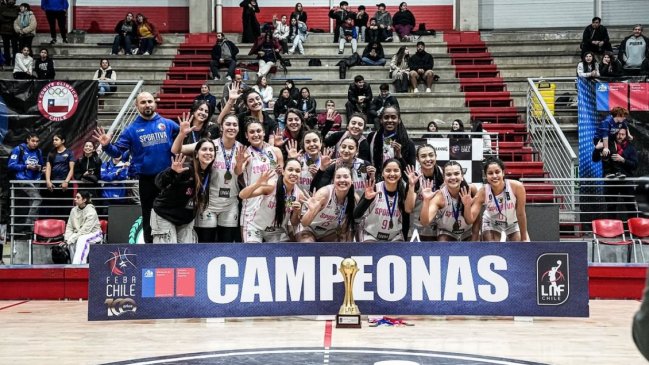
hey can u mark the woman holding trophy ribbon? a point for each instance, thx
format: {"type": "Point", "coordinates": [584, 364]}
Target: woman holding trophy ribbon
{"type": "Point", "coordinates": [330, 212]}
{"type": "Point", "coordinates": [450, 206]}
{"type": "Point", "coordinates": [219, 222]}
{"type": "Point", "coordinates": [504, 201]}
{"type": "Point", "coordinates": [279, 208]}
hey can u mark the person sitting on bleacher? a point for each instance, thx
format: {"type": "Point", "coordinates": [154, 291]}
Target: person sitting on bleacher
{"type": "Point", "coordinates": [421, 68]}
{"type": "Point", "coordinates": [147, 34]}
{"type": "Point", "coordinates": [83, 228]}
{"type": "Point", "coordinates": [265, 48]}
{"type": "Point", "coordinates": [358, 88]}
{"type": "Point", "coordinates": [373, 55]}
{"type": "Point", "coordinates": [281, 32]}
{"type": "Point", "coordinates": [348, 35]}
{"type": "Point", "coordinates": [384, 21]}
{"type": "Point", "coordinates": [265, 90]}
{"type": "Point", "coordinates": [126, 35]}
{"type": "Point", "coordinates": [588, 67]}
{"type": "Point", "coordinates": [209, 98]}
{"type": "Point", "coordinates": [360, 22]}
{"type": "Point", "coordinates": [399, 71]}
{"type": "Point", "coordinates": [404, 22]}
{"type": "Point", "coordinates": [224, 54]}
{"type": "Point", "coordinates": [44, 66]}
{"type": "Point", "coordinates": [379, 102]}
{"type": "Point", "coordinates": [105, 75]}
{"type": "Point", "coordinates": [299, 13]}
{"type": "Point", "coordinates": [238, 78]}
{"type": "Point", "coordinates": [595, 38]}
{"type": "Point", "coordinates": [23, 65]}
{"type": "Point", "coordinates": [297, 34]}
{"type": "Point", "coordinates": [331, 116]}
{"type": "Point", "coordinates": [373, 32]}
{"type": "Point", "coordinates": [610, 66]}
{"type": "Point", "coordinates": [283, 103]}
{"type": "Point", "coordinates": [634, 52]}
{"type": "Point", "coordinates": [339, 14]}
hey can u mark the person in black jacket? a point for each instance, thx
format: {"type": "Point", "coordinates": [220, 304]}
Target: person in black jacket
{"type": "Point", "coordinates": [373, 55]}
{"type": "Point", "coordinates": [307, 105]}
{"type": "Point", "coordinates": [184, 191]}
{"type": "Point", "coordinates": [87, 170]}
{"type": "Point", "coordinates": [403, 22]}
{"type": "Point", "coordinates": [360, 22]}
{"type": "Point", "coordinates": [384, 99]}
{"type": "Point", "coordinates": [610, 66]}
{"type": "Point", "coordinates": [595, 38]}
{"type": "Point", "coordinates": [391, 140]}
{"type": "Point", "coordinates": [421, 68]}
{"type": "Point", "coordinates": [299, 13]}
{"type": "Point", "coordinates": [224, 54]}
{"type": "Point", "coordinates": [339, 14]}
{"type": "Point", "coordinates": [205, 95]}
{"type": "Point", "coordinates": [356, 89]}
{"type": "Point", "coordinates": [251, 29]}
{"type": "Point", "coordinates": [8, 14]}
{"type": "Point", "coordinates": [44, 66]}
{"type": "Point", "coordinates": [283, 103]}
{"type": "Point", "coordinates": [126, 35]}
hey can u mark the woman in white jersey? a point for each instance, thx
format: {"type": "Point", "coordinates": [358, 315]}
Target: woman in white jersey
{"type": "Point", "coordinates": [355, 127]}
{"type": "Point", "coordinates": [381, 207]}
{"type": "Point", "coordinates": [310, 156]}
{"type": "Point", "coordinates": [329, 215]}
{"type": "Point", "coordinates": [450, 206]}
{"type": "Point", "coordinates": [504, 201]}
{"type": "Point", "coordinates": [347, 152]}
{"type": "Point", "coordinates": [219, 222]}
{"type": "Point", "coordinates": [428, 171]}
{"type": "Point", "coordinates": [279, 207]}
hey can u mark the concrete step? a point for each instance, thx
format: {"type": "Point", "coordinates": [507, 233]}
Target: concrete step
{"type": "Point", "coordinates": [573, 34]}
{"type": "Point", "coordinates": [100, 51]}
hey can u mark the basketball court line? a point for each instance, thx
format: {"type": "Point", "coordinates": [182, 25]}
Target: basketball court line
{"type": "Point", "coordinates": [13, 305]}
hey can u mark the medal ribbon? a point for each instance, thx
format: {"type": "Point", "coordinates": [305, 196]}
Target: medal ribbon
{"type": "Point", "coordinates": [341, 214]}
{"type": "Point", "coordinates": [456, 212]}
{"type": "Point", "coordinates": [500, 210]}
{"type": "Point", "coordinates": [205, 182]}
{"type": "Point", "coordinates": [228, 159]}
{"type": "Point", "coordinates": [387, 202]}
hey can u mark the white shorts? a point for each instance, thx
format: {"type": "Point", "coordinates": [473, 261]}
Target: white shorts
{"type": "Point", "coordinates": [510, 228]}
{"type": "Point", "coordinates": [226, 217]}
{"type": "Point", "coordinates": [428, 231]}
{"type": "Point", "coordinates": [270, 234]}
{"type": "Point", "coordinates": [319, 234]}
{"type": "Point", "coordinates": [164, 231]}
{"type": "Point", "coordinates": [457, 237]}
{"type": "Point", "coordinates": [365, 236]}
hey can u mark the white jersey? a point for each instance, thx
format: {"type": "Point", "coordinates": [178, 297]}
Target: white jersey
{"type": "Point", "coordinates": [359, 175]}
{"type": "Point", "coordinates": [305, 177]}
{"type": "Point", "coordinates": [223, 192]}
{"type": "Point", "coordinates": [377, 221]}
{"type": "Point", "coordinates": [505, 218]}
{"type": "Point", "coordinates": [419, 202]}
{"type": "Point", "coordinates": [263, 218]}
{"type": "Point", "coordinates": [259, 162]}
{"type": "Point", "coordinates": [331, 216]}
{"type": "Point", "coordinates": [340, 141]}
{"type": "Point", "coordinates": [447, 223]}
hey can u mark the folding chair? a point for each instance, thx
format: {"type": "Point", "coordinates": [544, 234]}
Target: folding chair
{"type": "Point", "coordinates": [606, 229]}
{"type": "Point", "coordinates": [639, 232]}
{"type": "Point", "coordinates": [47, 232]}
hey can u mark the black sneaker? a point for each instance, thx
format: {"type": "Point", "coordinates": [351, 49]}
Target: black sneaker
{"type": "Point", "coordinates": [340, 52]}
{"type": "Point", "coordinates": [65, 40]}
{"type": "Point", "coordinates": [53, 41]}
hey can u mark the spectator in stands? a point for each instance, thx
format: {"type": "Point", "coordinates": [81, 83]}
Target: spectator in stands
{"type": "Point", "coordinates": [307, 105]}
{"type": "Point", "coordinates": [224, 54]}
{"type": "Point", "coordinates": [348, 35]}
{"type": "Point", "coordinates": [266, 49]}
{"type": "Point", "coordinates": [149, 139]}
{"type": "Point", "coordinates": [209, 98]}
{"type": "Point", "coordinates": [391, 140]}
{"type": "Point", "coordinates": [360, 22]}
{"type": "Point", "coordinates": [8, 14]}
{"type": "Point", "coordinates": [404, 22]}
{"type": "Point", "coordinates": [457, 127]}
{"type": "Point", "coordinates": [238, 79]}
{"type": "Point", "coordinates": [421, 68]}
{"type": "Point", "coordinates": [59, 167]}
{"type": "Point", "coordinates": [199, 118]}
{"type": "Point", "coordinates": [373, 32]}
{"type": "Point", "coordinates": [265, 90]}
{"type": "Point", "coordinates": [25, 26]}
{"type": "Point", "coordinates": [608, 128]}
{"type": "Point", "coordinates": [106, 77]}
{"type": "Point", "coordinates": [384, 21]}
{"type": "Point", "coordinates": [299, 13]}
{"type": "Point", "coordinates": [297, 35]}
{"type": "Point", "coordinates": [340, 15]}
{"type": "Point", "coordinates": [610, 66]}
{"type": "Point", "coordinates": [281, 32]}
{"type": "Point", "coordinates": [433, 126]}
{"type": "Point", "coordinates": [356, 89]}
{"type": "Point", "coordinates": [148, 35]}
{"type": "Point", "coordinates": [26, 163]}
{"type": "Point", "coordinates": [87, 169]}
{"type": "Point", "coordinates": [486, 138]}
{"type": "Point", "coordinates": [126, 35]}
{"type": "Point", "coordinates": [83, 228]}
{"type": "Point", "coordinates": [595, 38]}
{"type": "Point", "coordinates": [329, 119]}
{"type": "Point", "coordinates": [399, 70]}
{"type": "Point", "coordinates": [295, 92]}
{"type": "Point", "coordinates": [56, 11]}
{"type": "Point", "coordinates": [283, 103]}
{"type": "Point", "coordinates": [251, 29]}
{"type": "Point", "coordinates": [44, 66]}
{"type": "Point", "coordinates": [23, 65]}
{"type": "Point", "coordinates": [115, 169]}
{"type": "Point", "coordinates": [373, 55]}
{"type": "Point", "coordinates": [634, 52]}
{"type": "Point", "coordinates": [588, 67]}
{"type": "Point", "coordinates": [384, 99]}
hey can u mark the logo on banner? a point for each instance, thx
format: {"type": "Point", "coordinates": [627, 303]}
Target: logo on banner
{"type": "Point", "coordinates": [117, 307]}
{"type": "Point", "coordinates": [58, 101]}
{"type": "Point", "coordinates": [120, 261]}
{"type": "Point", "coordinates": [552, 274]}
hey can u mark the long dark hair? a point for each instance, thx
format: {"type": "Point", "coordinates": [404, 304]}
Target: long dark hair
{"type": "Point", "coordinates": [401, 190]}
{"type": "Point", "coordinates": [303, 128]}
{"type": "Point", "coordinates": [197, 104]}
{"type": "Point", "coordinates": [438, 175]}
{"type": "Point", "coordinates": [401, 55]}
{"type": "Point", "coordinates": [589, 66]}
{"type": "Point", "coordinates": [201, 197]}
{"type": "Point", "coordinates": [52, 154]}
{"type": "Point", "coordinates": [463, 184]}
{"type": "Point", "coordinates": [280, 195]}
{"type": "Point", "coordinates": [351, 201]}
{"type": "Point", "coordinates": [401, 137]}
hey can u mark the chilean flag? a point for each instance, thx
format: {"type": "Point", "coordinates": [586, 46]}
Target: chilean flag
{"type": "Point", "coordinates": [610, 95]}
{"type": "Point", "coordinates": [53, 108]}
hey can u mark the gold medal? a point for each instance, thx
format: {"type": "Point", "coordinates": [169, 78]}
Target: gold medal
{"type": "Point", "coordinates": [391, 225]}
{"type": "Point", "coordinates": [228, 175]}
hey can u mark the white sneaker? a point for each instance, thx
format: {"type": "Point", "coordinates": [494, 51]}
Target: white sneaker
{"type": "Point", "coordinates": [134, 51]}
{"type": "Point", "coordinates": [428, 90]}
{"type": "Point", "coordinates": [229, 78]}
{"type": "Point", "coordinates": [145, 54]}
{"type": "Point", "coordinates": [416, 90]}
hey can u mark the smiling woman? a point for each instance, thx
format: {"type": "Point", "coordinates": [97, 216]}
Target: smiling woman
{"type": "Point", "coordinates": [391, 140]}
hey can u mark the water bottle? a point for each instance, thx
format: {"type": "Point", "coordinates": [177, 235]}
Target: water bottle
{"type": "Point", "coordinates": [245, 75]}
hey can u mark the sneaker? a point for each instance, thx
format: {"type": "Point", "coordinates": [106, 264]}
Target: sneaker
{"type": "Point", "coordinates": [65, 40]}
{"type": "Point", "coordinates": [53, 41]}
{"type": "Point", "coordinates": [217, 78]}
{"type": "Point", "coordinates": [388, 39]}
{"type": "Point", "coordinates": [609, 176]}
{"type": "Point", "coordinates": [134, 51]}
{"type": "Point", "coordinates": [416, 90]}
{"type": "Point", "coordinates": [340, 52]}
{"type": "Point", "coordinates": [146, 54]}
{"type": "Point", "coordinates": [436, 78]}
{"type": "Point", "coordinates": [228, 78]}
{"type": "Point", "coordinates": [428, 90]}
{"type": "Point", "coordinates": [620, 175]}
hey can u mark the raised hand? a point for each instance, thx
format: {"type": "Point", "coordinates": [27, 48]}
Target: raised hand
{"type": "Point", "coordinates": [332, 114]}
{"type": "Point", "coordinates": [102, 137]}
{"type": "Point", "coordinates": [427, 192]}
{"type": "Point", "coordinates": [325, 159]}
{"type": "Point", "coordinates": [413, 177]}
{"type": "Point", "coordinates": [292, 149]}
{"type": "Point", "coordinates": [265, 176]}
{"type": "Point", "coordinates": [313, 203]}
{"type": "Point", "coordinates": [234, 90]}
{"type": "Point", "coordinates": [277, 138]}
{"type": "Point", "coordinates": [370, 189]}
{"type": "Point", "coordinates": [465, 196]}
{"type": "Point", "coordinates": [242, 156]}
{"type": "Point", "coordinates": [178, 163]}
{"type": "Point", "coordinates": [185, 122]}
{"type": "Point", "coordinates": [371, 171]}
{"type": "Point", "coordinates": [397, 148]}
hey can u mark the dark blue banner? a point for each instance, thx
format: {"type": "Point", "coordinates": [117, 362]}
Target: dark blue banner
{"type": "Point", "coordinates": [286, 279]}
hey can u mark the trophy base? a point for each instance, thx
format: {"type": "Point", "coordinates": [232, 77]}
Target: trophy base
{"type": "Point", "coordinates": [348, 321]}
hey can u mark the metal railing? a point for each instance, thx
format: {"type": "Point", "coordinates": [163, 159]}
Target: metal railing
{"type": "Point", "coordinates": [548, 139]}
{"type": "Point", "coordinates": [57, 207]}
{"type": "Point", "coordinates": [127, 113]}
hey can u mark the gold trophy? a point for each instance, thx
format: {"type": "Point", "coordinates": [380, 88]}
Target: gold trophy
{"type": "Point", "coordinates": [348, 316]}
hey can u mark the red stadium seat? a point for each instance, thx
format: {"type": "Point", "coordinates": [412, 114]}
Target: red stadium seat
{"type": "Point", "coordinates": [639, 232]}
{"type": "Point", "coordinates": [47, 232]}
{"type": "Point", "coordinates": [104, 227]}
{"type": "Point", "coordinates": [608, 232]}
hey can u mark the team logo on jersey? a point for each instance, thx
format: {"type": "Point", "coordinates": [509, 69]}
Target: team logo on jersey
{"type": "Point", "coordinates": [552, 279]}
{"type": "Point", "coordinates": [161, 127]}
{"type": "Point", "coordinates": [58, 101]}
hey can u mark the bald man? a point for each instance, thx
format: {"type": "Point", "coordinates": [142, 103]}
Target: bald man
{"type": "Point", "coordinates": [149, 139]}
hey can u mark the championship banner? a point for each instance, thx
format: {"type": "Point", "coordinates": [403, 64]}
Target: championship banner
{"type": "Point", "coordinates": [130, 282]}
{"type": "Point", "coordinates": [468, 152]}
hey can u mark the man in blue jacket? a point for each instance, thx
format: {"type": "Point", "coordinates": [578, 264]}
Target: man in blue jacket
{"type": "Point", "coordinates": [56, 10]}
{"type": "Point", "coordinates": [26, 162]}
{"type": "Point", "coordinates": [149, 139]}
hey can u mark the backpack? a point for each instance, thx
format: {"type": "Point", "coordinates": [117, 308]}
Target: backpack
{"type": "Point", "coordinates": [315, 62]}
{"type": "Point", "coordinates": [60, 254]}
